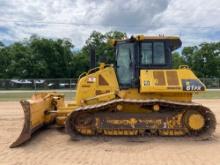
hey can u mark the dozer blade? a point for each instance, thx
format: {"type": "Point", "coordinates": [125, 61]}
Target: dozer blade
{"type": "Point", "coordinates": [35, 116]}
{"type": "Point", "coordinates": [26, 131]}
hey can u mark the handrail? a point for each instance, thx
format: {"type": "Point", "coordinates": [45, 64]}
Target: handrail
{"type": "Point", "coordinates": [82, 75]}
{"type": "Point", "coordinates": [93, 70]}
{"type": "Point", "coordinates": [183, 67]}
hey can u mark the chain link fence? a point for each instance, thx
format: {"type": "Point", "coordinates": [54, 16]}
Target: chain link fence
{"type": "Point", "coordinates": [37, 84]}
{"type": "Point", "coordinates": [46, 84]}
{"type": "Point", "coordinates": [211, 83]}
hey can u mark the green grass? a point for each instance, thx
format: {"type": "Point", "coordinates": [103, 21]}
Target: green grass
{"type": "Point", "coordinates": [208, 95]}
{"type": "Point", "coordinates": [27, 95]}
{"type": "Point", "coordinates": [16, 96]}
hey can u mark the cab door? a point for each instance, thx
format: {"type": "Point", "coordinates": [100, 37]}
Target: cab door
{"type": "Point", "coordinates": [125, 64]}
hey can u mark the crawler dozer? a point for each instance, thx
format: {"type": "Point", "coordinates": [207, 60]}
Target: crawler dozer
{"type": "Point", "coordinates": [139, 95]}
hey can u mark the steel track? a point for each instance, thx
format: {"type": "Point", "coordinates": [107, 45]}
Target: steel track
{"type": "Point", "coordinates": [205, 133]}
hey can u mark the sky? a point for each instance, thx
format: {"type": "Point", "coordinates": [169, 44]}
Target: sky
{"type": "Point", "coordinates": [195, 21]}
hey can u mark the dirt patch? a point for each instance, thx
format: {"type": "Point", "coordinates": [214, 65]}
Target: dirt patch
{"type": "Point", "coordinates": [53, 146]}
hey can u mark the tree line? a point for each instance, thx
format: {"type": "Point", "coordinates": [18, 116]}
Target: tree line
{"type": "Point", "coordinates": [38, 57]}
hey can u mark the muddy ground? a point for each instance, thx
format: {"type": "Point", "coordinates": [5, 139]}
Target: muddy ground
{"type": "Point", "coordinates": [53, 146]}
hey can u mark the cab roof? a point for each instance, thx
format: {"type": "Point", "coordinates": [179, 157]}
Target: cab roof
{"type": "Point", "coordinates": [174, 41]}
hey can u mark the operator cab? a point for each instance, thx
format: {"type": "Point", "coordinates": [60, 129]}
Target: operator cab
{"type": "Point", "coordinates": [143, 52]}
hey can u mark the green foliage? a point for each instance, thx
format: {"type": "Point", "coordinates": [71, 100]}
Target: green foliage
{"type": "Point", "coordinates": [36, 58]}
{"type": "Point", "coordinates": [79, 63]}
{"type": "Point", "coordinates": [51, 58]}
{"type": "Point", "coordinates": [46, 58]}
{"type": "Point", "coordinates": [177, 60]}
{"type": "Point", "coordinates": [204, 59]}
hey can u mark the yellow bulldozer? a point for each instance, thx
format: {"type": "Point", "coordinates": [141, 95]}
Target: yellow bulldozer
{"type": "Point", "coordinates": [139, 95]}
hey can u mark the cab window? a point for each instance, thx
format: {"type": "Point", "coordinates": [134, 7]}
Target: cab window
{"type": "Point", "coordinates": [146, 53]}
{"type": "Point", "coordinates": [159, 53]}
{"type": "Point", "coordinates": [152, 53]}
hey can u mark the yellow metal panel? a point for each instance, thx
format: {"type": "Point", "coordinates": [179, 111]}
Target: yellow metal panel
{"type": "Point", "coordinates": [89, 85]}
{"type": "Point", "coordinates": [172, 96]}
{"type": "Point", "coordinates": [100, 98]}
{"type": "Point", "coordinates": [153, 80]}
